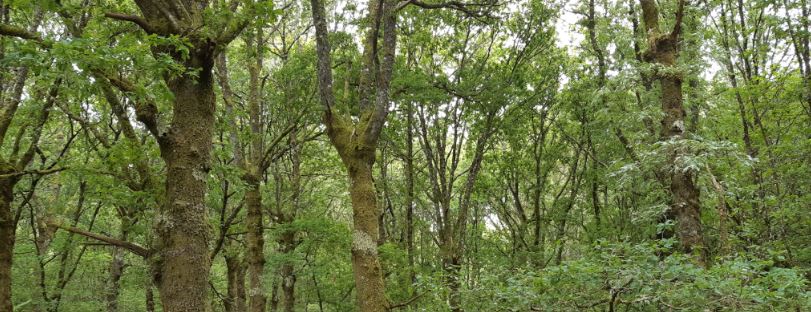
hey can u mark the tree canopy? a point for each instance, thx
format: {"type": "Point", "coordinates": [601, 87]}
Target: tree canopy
{"type": "Point", "coordinates": [405, 155]}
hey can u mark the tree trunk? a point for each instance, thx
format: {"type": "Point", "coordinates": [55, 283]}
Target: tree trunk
{"type": "Point", "coordinates": [235, 300]}
{"type": "Point", "coordinates": [274, 295]}
{"type": "Point", "coordinates": [356, 142]}
{"type": "Point", "coordinates": [409, 168]}
{"type": "Point", "coordinates": [288, 273]}
{"type": "Point", "coordinates": [116, 271]}
{"type": "Point", "coordinates": [253, 198]}
{"type": "Point", "coordinates": [7, 237]}
{"type": "Point", "coordinates": [149, 299]}
{"type": "Point", "coordinates": [365, 264]}
{"type": "Point", "coordinates": [255, 241]}
{"type": "Point", "coordinates": [451, 264]}
{"type": "Point", "coordinates": [685, 194]}
{"type": "Point", "coordinates": [182, 264]}
{"type": "Point", "coordinates": [664, 50]}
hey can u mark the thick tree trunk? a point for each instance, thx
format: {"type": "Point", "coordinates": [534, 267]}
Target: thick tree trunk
{"type": "Point", "coordinates": [182, 263]}
{"type": "Point", "coordinates": [7, 238]}
{"type": "Point", "coordinates": [365, 264]}
{"type": "Point", "coordinates": [685, 194]}
{"type": "Point", "coordinates": [664, 50]}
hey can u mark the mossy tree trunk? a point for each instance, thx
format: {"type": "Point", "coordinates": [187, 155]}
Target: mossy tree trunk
{"type": "Point", "coordinates": [663, 50]}
{"type": "Point", "coordinates": [180, 258]}
{"type": "Point", "coordinates": [356, 141]}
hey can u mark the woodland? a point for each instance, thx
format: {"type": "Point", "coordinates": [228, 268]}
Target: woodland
{"type": "Point", "coordinates": [405, 155]}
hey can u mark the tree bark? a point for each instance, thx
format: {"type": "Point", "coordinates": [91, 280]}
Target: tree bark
{"type": "Point", "coordinates": [365, 264]}
{"type": "Point", "coordinates": [149, 299]}
{"type": "Point", "coordinates": [253, 198]}
{"type": "Point", "coordinates": [452, 266]}
{"type": "Point", "coordinates": [287, 240]}
{"type": "Point", "coordinates": [181, 259]}
{"type": "Point", "coordinates": [255, 241]}
{"type": "Point", "coordinates": [7, 238]}
{"type": "Point", "coordinates": [182, 264]}
{"type": "Point", "coordinates": [409, 171]}
{"type": "Point", "coordinates": [356, 141]}
{"type": "Point", "coordinates": [288, 245]}
{"type": "Point", "coordinates": [116, 271]}
{"type": "Point", "coordinates": [235, 300]}
{"type": "Point", "coordinates": [664, 50]}
{"type": "Point", "coordinates": [8, 223]}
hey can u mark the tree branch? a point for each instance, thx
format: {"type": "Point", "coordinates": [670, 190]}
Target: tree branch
{"type": "Point", "coordinates": [37, 172]}
{"type": "Point", "coordinates": [14, 31]}
{"type": "Point", "coordinates": [679, 17]}
{"type": "Point", "coordinates": [140, 21]}
{"type": "Point", "coordinates": [134, 248]}
{"type": "Point", "coordinates": [377, 118]}
{"type": "Point", "coordinates": [650, 15]}
{"type": "Point", "coordinates": [465, 8]}
{"type": "Point", "coordinates": [272, 146]}
{"type": "Point", "coordinates": [146, 113]}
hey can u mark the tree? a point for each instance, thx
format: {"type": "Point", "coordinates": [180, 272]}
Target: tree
{"type": "Point", "coordinates": [663, 50]}
{"type": "Point", "coordinates": [356, 141]}
{"type": "Point", "coordinates": [180, 255]}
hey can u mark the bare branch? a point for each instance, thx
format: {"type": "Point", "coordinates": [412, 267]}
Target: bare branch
{"type": "Point", "coordinates": [25, 172]}
{"type": "Point", "coordinates": [140, 21]}
{"type": "Point", "coordinates": [266, 159]}
{"type": "Point", "coordinates": [134, 248]}
{"type": "Point", "coordinates": [469, 9]}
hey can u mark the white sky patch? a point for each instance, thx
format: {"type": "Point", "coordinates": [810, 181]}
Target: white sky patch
{"type": "Point", "coordinates": [567, 35]}
{"type": "Point", "coordinates": [492, 222]}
